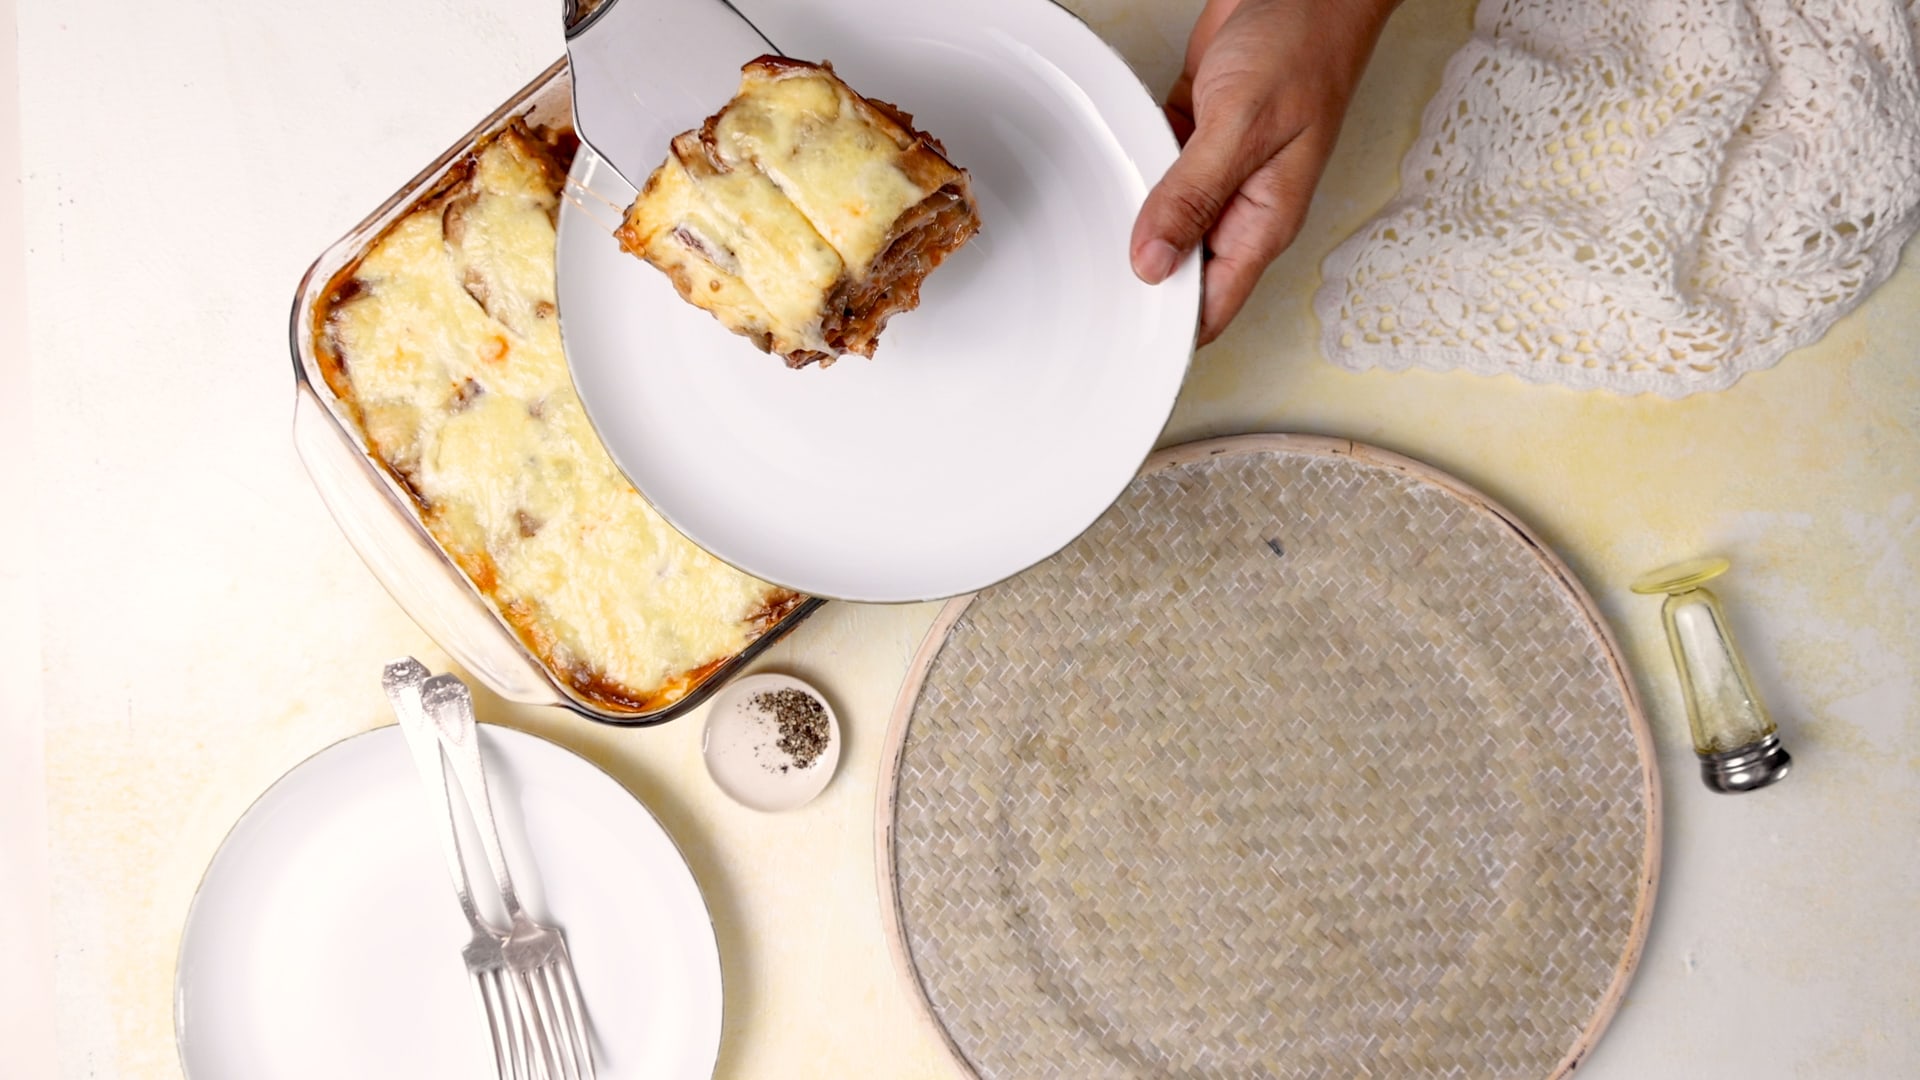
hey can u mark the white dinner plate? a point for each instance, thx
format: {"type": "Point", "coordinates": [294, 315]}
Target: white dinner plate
{"type": "Point", "coordinates": [998, 420]}
{"type": "Point", "coordinates": [325, 939]}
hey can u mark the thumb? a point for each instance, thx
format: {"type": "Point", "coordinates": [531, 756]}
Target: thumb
{"type": "Point", "coordinates": [1179, 108]}
{"type": "Point", "coordinates": [1187, 201]}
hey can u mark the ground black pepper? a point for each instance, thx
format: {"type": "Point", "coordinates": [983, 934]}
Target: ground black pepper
{"type": "Point", "coordinates": [802, 721]}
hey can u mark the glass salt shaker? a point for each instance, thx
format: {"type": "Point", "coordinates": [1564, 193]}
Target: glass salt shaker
{"type": "Point", "coordinates": [1736, 741]}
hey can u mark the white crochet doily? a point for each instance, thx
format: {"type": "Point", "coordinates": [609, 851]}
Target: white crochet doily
{"type": "Point", "coordinates": [1640, 195]}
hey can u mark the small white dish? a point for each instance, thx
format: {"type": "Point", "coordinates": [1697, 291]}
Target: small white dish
{"type": "Point", "coordinates": [325, 940]}
{"type": "Point", "coordinates": [740, 744]}
{"type": "Point", "coordinates": [998, 420]}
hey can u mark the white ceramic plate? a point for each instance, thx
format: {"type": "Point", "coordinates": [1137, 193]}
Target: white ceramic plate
{"type": "Point", "coordinates": [325, 940]}
{"type": "Point", "coordinates": [998, 420]}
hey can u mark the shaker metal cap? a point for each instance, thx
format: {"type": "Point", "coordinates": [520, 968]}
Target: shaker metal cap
{"type": "Point", "coordinates": [1748, 768]}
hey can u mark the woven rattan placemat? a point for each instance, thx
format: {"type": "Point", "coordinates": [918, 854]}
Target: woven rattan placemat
{"type": "Point", "coordinates": [1305, 761]}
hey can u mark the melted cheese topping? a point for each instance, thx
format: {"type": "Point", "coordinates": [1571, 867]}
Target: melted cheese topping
{"type": "Point", "coordinates": [824, 152]}
{"type": "Point", "coordinates": [738, 229]}
{"type": "Point", "coordinates": [795, 186]}
{"type": "Point", "coordinates": [452, 352]}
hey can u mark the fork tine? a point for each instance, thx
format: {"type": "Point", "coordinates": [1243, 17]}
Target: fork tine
{"type": "Point", "coordinates": [497, 1024]}
{"type": "Point", "coordinates": [531, 982]}
{"type": "Point", "coordinates": [563, 1027]}
{"type": "Point", "coordinates": [538, 1025]}
{"type": "Point", "coordinates": [537, 1020]}
{"type": "Point", "coordinates": [569, 996]}
{"type": "Point", "coordinates": [560, 1048]}
{"type": "Point", "coordinates": [478, 982]}
{"type": "Point", "coordinates": [514, 1023]}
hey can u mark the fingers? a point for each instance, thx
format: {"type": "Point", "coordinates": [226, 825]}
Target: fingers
{"type": "Point", "coordinates": [1257, 110]}
{"type": "Point", "coordinates": [1179, 107]}
{"type": "Point", "coordinates": [1217, 157]}
{"type": "Point", "coordinates": [1193, 194]}
{"type": "Point", "coordinates": [1205, 26]}
{"type": "Point", "coordinates": [1258, 224]}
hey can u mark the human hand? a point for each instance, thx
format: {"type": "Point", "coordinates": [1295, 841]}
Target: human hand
{"type": "Point", "coordinates": [1257, 109]}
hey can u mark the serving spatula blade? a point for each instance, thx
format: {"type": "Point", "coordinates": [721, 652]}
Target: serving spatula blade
{"type": "Point", "coordinates": [647, 70]}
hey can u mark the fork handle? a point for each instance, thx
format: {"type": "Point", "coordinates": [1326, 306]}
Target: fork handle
{"type": "Point", "coordinates": [449, 708]}
{"type": "Point", "coordinates": [402, 681]}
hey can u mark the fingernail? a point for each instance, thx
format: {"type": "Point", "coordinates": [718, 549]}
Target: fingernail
{"type": "Point", "coordinates": [1156, 261]}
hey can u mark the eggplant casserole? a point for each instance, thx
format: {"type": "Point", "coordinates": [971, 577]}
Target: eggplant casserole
{"type": "Point", "coordinates": [443, 345]}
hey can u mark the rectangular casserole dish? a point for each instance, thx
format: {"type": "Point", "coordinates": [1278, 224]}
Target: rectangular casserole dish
{"type": "Point", "coordinates": [382, 520]}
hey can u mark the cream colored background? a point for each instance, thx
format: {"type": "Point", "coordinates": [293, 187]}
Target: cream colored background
{"type": "Point", "coordinates": [204, 627]}
{"type": "Point", "coordinates": [26, 1002]}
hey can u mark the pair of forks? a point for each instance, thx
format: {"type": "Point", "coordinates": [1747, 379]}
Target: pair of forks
{"type": "Point", "coordinates": [523, 977]}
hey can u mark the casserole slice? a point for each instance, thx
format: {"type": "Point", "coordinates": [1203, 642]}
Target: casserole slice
{"type": "Point", "coordinates": [802, 215]}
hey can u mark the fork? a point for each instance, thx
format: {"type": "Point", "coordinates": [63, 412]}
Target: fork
{"type": "Point", "coordinates": [488, 970]}
{"type": "Point", "coordinates": [536, 955]}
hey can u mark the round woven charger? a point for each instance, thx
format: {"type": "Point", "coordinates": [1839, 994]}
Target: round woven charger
{"type": "Point", "coordinates": [1304, 761]}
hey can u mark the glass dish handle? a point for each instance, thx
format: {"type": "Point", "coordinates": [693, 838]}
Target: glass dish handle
{"type": "Point", "coordinates": [407, 564]}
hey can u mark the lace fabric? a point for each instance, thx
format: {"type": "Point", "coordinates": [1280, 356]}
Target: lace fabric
{"type": "Point", "coordinates": [1640, 195]}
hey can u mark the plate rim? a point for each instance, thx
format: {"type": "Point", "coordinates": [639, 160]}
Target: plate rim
{"type": "Point", "coordinates": [893, 742]}
{"type": "Point", "coordinates": [199, 886]}
{"type": "Point", "coordinates": [587, 158]}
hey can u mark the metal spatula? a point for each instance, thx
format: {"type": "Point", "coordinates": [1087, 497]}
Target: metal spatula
{"type": "Point", "coordinates": [647, 70]}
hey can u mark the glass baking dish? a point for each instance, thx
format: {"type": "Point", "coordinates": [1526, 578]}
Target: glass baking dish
{"type": "Point", "coordinates": [378, 517]}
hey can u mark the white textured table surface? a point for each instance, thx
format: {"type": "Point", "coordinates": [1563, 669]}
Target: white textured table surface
{"type": "Point", "coordinates": [203, 627]}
